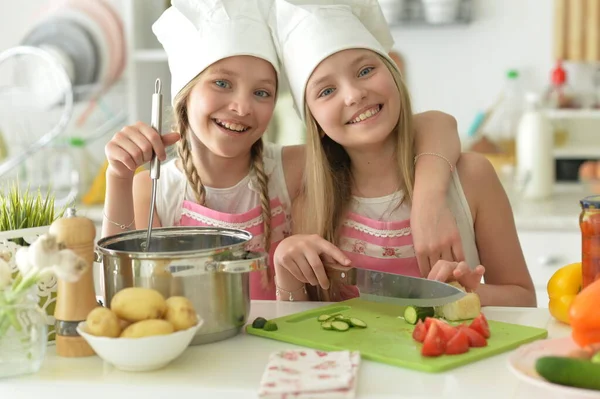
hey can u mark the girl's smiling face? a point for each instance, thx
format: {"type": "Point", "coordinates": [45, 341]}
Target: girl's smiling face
{"type": "Point", "coordinates": [354, 99]}
{"type": "Point", "coordinates": [232, 103]}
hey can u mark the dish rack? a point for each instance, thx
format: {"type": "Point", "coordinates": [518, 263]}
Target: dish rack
{"type": "Point", "coordinates": [63, 74]}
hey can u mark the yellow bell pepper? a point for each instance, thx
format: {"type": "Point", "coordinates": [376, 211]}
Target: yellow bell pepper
{"type": "Point", "coordinates": [563, 287]}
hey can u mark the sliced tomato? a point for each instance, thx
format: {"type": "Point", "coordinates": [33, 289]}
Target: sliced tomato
{"type": "Point", "coordinates": [419, 332]}
{"type": "Point", "coordinates": [428, 321]}
{"type": "Point", "coordinates": [476, 340]}
{"type": "Point", "coordinates": [458, 344]}
{"type": "Point", "coordinates": [435, 343]}
{"type": "Point", "coordinates": [481, 325]}
{"type": "Point", "coordinates": [449, 331]}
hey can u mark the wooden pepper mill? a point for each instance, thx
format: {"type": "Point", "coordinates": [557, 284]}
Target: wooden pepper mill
{"type": "Point", "coordinates": [74, 300]}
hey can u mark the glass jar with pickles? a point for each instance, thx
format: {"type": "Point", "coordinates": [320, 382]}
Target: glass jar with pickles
{"type": "Point", "coordinates": [589, 223]}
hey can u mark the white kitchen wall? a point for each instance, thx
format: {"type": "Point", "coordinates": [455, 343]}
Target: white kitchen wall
{"type": "Point", "coordinates": [460, 69]}
{"type": "Point", "coordinates": [455, 69]}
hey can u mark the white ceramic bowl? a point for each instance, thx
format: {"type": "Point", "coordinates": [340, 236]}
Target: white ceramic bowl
{"type": "Point", "coordinates": [140, 354]}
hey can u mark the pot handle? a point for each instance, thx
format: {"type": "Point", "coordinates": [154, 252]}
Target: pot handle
{"type": "Point", "coordinates": [253, 261]}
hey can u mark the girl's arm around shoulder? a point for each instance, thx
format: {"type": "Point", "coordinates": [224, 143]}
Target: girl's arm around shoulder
{"type": "Point", "coordinates": [507, 279]}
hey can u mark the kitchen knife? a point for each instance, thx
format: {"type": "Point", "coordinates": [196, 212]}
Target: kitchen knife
{"type": "Point", "coordinates": [395, 288]}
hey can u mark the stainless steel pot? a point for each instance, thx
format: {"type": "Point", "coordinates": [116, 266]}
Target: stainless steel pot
{"type": "Point", "coordinates": [209, 266]}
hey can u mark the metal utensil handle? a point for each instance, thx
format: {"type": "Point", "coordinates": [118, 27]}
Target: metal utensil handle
{"type": "Point", "coordinates": [156, 123]}
{"type": "Point", "coordinates": [254, 261]}
{"type": "Point", "coordinates": [342, 274]}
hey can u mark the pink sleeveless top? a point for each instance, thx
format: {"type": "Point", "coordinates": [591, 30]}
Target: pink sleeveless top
{"type": "Point", "coordinates": [237, 207]}
{"type": "Point", "coordinates": [387, 246]}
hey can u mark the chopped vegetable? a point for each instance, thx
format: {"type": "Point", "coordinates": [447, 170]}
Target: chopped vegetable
{"type": "Point", "coordinates": [468, 307]}
{"type": "Point", "coordinates": [458, 344]}
{"type": "Point", "coordinates": [419, 332]}
{"type": "Point", "coordinates": [340, 325]}
{"type": "Point", "coordinates": [259, 322]}
{"type": "Point", "coordinates": [354, 322]}
{"type": "Point", "coordinates": [412, 314]}
{"type": "Point", "coordinates": [323, 317]}
{"type": "Point", "coordinates": [270, 326]}
{"type": "Point", "coordinates": [439, 337]}
{"type": "Point", "coordinates": [434, 344]}
{"type": "Point", "coordinates": [476, 340]}
{"type": "Point", "coordinates": [481, 325]}
{"type": "Point", "coordinates": [339, 322]}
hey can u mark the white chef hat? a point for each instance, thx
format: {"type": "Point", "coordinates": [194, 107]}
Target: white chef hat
{"type": "Point", "coordinates": [198, 33]}
{"type": "Point", "coordinates": [306, 32]}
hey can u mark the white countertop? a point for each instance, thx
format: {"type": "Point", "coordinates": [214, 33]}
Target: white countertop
{"type": "Point", "coordinates": [232, 369]}
{"type": "Point", "coordinates": [559, 212]}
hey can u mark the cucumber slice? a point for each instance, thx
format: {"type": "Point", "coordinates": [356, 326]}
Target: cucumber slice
{"type": "Point", "coordinates": [412, 314]}
{"type": "Point", "coordinates": [259, 322]}
{"type": "Point", "coordinates": [323, 317]}
{"type": "Point", "coordinates": [326, 325]}
{"type": "Point", "coordinates": [270, 326]}
{"type": "Point", "coordinates": [354, 322]}
{"type": "Point", "coordinates": [339, 325]}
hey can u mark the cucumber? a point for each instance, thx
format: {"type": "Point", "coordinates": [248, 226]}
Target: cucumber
{"type": "Point", "coordinates": [259, 322]}
{"type": "Point", "coordinates": [569, 371]}
{"type": "Point", "coordinates": [412, 314]}
{"type": "Point", "coordinates": [270, 326]}
{"type": "Point", "coordinates": [354, 322]}
{"type": "Point", "coordinates": [326, 325]}
{"type": "Point", "coordinates": [323, 317]}
{"type": "Point", "coordinates": [339, 325]}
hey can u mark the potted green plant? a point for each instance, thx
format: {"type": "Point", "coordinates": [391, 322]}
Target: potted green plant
{"type": "Point", "coordinates": [24, 216]}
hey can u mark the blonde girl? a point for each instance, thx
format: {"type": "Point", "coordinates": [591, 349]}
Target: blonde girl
{"type": "Point", "coordinates": [359, 174]}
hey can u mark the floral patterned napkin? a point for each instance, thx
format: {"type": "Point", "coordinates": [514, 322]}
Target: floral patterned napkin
{"type": "Point", "coordinates": [310, 374]}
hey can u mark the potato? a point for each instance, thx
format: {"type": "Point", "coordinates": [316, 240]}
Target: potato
{"type": "Point", "coordinates": [136, 304]}
{"type": "Point", "coordinates": [147, 328]}
{"type": "Point", "coordinates": [102, 322]}
{"type": "Point", "coordinates": [181, 313]}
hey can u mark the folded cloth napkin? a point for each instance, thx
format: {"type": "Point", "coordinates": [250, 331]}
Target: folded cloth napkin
{"type": "Point", "coordinates": [310, 374]}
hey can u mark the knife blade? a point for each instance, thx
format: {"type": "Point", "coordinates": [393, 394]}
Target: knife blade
{"type": "Point", "coordinates": [395, 288]}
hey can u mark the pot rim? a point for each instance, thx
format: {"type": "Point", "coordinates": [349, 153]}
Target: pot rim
{"type": "Point", "coordinates": [166, 231]}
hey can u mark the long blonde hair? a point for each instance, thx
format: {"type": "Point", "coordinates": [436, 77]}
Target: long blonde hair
{"type": "Point", "coordinates": [328, 180]}
{"type": "Point", "coordinates": [184, 150]}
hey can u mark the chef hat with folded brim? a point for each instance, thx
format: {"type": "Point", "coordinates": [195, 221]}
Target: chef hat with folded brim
{"type": "Point", "coordinates": [198, 33]}
{"type": "Point", "coordinates": [306, 32]}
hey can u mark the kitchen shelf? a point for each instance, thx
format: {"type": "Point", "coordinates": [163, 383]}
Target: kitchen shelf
{"type": "Point", "coordinates": [573, 113]}
{"type": "Point", "coordinates": [577, 152]}
{"type": "Point", "coordinates": [413, 15]}
{"type": "Point", "coordinates": [157, 55]}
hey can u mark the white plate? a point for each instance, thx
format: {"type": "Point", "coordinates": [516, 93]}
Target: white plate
{"type": "Point", "coordinates": [522, 363]}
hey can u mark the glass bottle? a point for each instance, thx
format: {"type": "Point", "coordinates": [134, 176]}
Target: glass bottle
{"type": "Point", "coordinates": [589, 223]}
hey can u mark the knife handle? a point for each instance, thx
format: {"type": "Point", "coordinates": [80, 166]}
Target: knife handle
{"type": "Point", "coordinates": [340, 274]}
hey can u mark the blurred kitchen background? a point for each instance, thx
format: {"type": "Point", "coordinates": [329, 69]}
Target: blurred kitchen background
{"type": "Point", "coordinates": [521, 77]}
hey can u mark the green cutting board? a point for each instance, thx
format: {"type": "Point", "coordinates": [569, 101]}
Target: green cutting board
{"type": "Point", "coordinates": [388, 338]}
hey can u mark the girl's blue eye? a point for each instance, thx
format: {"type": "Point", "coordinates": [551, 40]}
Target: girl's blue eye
{"type": "Point", "coordinates": [222, 83]}
{"type": "Point", "coordinates": [326, 92]}
{"type": "Point", "coordinates": [365, 71]}
{"type": "Point", "coordinates": [262, 93]}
